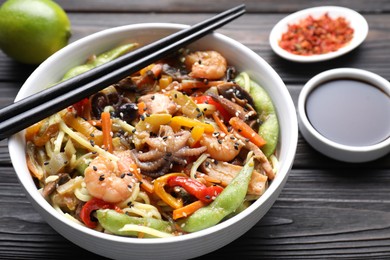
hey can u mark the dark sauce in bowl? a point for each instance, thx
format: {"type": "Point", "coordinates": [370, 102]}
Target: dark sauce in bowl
{"type": "Point", "coordinates": [349, 112]}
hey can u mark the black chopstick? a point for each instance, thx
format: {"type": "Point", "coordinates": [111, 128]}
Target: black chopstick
{"type": "Point", "coordinates": [45, 103]}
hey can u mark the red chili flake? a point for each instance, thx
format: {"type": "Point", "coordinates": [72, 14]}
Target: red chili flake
{"type": "Point", "coordinates": [316, 36]}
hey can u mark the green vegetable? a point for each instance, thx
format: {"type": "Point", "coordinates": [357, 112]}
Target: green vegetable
{"type": "Point", "coordinates": [269, 129]}
{"type": "Point", "coordinates": [230, 200]}
{"type": "Point", "coordinates": [113, 221]}
{"type": "Point", "coordinates": [99, 60]}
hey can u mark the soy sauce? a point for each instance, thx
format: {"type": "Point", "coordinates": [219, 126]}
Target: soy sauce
{"type": "Point", "coordinates": [350, 112]}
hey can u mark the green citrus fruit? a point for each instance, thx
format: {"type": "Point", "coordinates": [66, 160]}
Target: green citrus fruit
{"type": "Point", "coordinates": [32, 30]}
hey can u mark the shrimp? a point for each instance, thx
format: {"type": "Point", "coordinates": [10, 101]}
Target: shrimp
{"type": "Point", "coordinates": [206, 64]}
{"type": "Point", "coordinates": [108, 180]}
{"type": "Point", "coordinates": [222, 148]}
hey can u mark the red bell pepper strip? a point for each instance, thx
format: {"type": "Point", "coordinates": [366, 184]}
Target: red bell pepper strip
{"type": "Point", "coordinates": [196, 188]}
{"type": "Point", "coordinates": [209, 100]}
{"type": "Point", "coordinates": [91, 206]}
{"type": "Point", "coordinates": [80, 106]}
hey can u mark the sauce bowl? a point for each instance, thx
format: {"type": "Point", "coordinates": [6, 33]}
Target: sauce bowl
{"type": "Point", "coordinates": [340, 149]}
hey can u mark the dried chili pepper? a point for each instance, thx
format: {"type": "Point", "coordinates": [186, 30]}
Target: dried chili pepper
{"type": "Point", "coordinates": [316, 36]}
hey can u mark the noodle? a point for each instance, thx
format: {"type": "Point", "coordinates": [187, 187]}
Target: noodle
{"type": "Point", "coordinates": [172, 137]}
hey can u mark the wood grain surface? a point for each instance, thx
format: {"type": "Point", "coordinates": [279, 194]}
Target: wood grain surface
{"type": "Point", "coordinates": [328, 209]}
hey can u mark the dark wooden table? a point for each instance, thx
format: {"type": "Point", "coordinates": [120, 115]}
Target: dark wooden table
{"type": "Point", "coordinates": [328, 209]}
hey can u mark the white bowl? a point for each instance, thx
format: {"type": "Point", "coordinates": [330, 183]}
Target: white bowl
{"type": "Point", "coordinates": [186, 246]}
{"type": "Point", "coordinates": [336, 149]}
{"type": "Point", "coordinates": [356, 21]}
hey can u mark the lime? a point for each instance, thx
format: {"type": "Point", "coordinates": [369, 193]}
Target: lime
{"type": "Point", "coordinates": [32, 30]}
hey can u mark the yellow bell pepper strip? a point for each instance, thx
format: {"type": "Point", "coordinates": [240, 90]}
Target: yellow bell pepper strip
{"type": "Point", "coordinates": [106, 129]}
{"type": "Point", "coordinates": [154, 68]}
{"type": "Point", "coordinates": [196, 134]}
{"type": "Point", "coordinates": [228, 201]}
{"type": "Point", "coordinates": [195, 188]}
{"type": "Point", "coordinates": [188, 122]}
{"type": "Point", "coordinates": [164, 81]}
{"type": "Point", "coordinates": [84, 127]}
{"type": "Point", "coordinates": [246, 131]}
{"type": "Point", "coordinates": [159, 189]}
{"type": "Point", "coordinates": [153, 122]}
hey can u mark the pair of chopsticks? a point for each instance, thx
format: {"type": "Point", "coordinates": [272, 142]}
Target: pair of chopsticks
{"type": "Point", "coordinates": [36, 107]}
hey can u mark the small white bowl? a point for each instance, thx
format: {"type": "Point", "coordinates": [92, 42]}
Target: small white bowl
{"type": "Point", "coordinates": [356, 21]}
{"type": "Point", "coordinates": [336, 149]}
{"type": "Point", "coordinates": [189, 245]}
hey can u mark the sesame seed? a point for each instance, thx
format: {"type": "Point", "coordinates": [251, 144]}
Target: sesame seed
{"type": "Point", "coordinates": [94, 168]}
{"type": "Point", "coordinates": [101, 177]}
{"type": "Point", "coordinates": [123, 175]}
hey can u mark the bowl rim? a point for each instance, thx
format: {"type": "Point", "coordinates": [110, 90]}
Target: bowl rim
{"type": "Point", "coordinates": [308, 129]}
{"type": "Point", "coordinates": [356, 20]}
{"type": "Point", "coordinates": [36, 196]}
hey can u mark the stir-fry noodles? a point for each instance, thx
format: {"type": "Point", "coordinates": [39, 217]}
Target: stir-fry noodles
{"type": "Point", "coordinates": [178, 147]}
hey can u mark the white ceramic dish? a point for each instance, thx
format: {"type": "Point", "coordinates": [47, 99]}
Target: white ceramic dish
{"type": "Point", "coordinates": [335, 150]}
{"type": "Point", "coordinates": [356, 21]}
{"type": "Point", "coordinates": [186, 246]}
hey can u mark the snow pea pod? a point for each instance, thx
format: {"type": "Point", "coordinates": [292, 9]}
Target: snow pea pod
{"type": "Point", "coordinates": [269, 129]}
{"type": "Point", "coordinates": [99, 60]}
{"type": "Point", "coordinates": [113, 221]}
{"type": "Point", "coordinates": [228, 201]}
